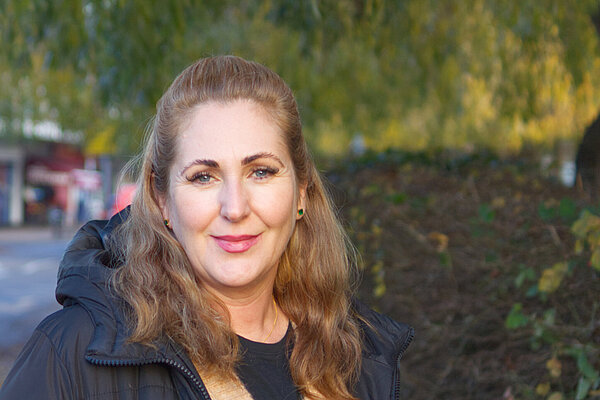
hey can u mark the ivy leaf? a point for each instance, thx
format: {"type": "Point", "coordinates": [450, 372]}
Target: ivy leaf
{"type": "Point", "coordinates": [532, 291]}
{"type": "Point", "coordinates": [525, 274]}
{"type": "Point", "coordinates": [486, 213]}
{"type": "Point", "coordinates": [546, 213]}
{"type": "Point", "coordinates": [567, 209]}
{"type": "Point", "coordinates": [516, 318]}
{"type": "Point", "coordinates": [586, 368]}
{"type": "Point", "coordinates": [583, 387]}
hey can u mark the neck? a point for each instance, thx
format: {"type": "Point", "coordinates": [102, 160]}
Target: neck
{"type": "Point", "coordinates": [257, 317]}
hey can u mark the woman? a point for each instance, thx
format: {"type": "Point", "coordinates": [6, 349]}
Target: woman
{"type": "Point", "coordinates": [229, 277]}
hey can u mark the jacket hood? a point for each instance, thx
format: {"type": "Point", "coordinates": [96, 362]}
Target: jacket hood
{"type": "Point", "coordinates": [83, 277]}
{"type": "Point", "coordinates": [84, 269]}
{"type": "Point", "coordinates": [87, 258]}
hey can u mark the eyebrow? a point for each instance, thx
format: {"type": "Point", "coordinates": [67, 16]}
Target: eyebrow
{"type": "Point", "coordinates": [208, 163]}
{"type": "Point", "coordinates": [245, 161]}
{"type": "Point", "coordinates": [257, 156]}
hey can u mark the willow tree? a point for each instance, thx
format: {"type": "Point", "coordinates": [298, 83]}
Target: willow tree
{"type": "Point", "coordinates": [413, 74]}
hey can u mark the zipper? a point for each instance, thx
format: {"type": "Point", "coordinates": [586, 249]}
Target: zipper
{"type": "Point", "coordinates": [407, 342]}
{"type": "Point", "coordinates": [182, 368]}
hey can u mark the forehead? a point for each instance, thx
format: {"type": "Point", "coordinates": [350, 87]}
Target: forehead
{"type": "Point", "coordinates": [222, 131]}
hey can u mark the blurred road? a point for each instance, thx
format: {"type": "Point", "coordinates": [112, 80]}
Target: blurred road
{"type": "Point", "coordinates": [29, 259]}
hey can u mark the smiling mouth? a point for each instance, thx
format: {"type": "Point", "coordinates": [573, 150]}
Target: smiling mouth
{"type": "Point", "coordinates": [236, 244]}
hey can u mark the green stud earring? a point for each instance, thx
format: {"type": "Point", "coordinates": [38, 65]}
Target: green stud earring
{"type": "Point", "coordinates": [301, 212]}
{"type": "Point", "coordinates": [167, 223]}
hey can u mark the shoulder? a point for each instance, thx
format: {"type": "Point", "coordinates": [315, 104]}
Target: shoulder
{"type": "Point", "coordinates": [68, 332]}
{"type": "Point", "coordinates": [64, 334]}
{"type": "Point", "coordinates": [51, 356]}
{"type": "Point", "coordinates": [68, 324]}
{"type": "Point", "coordinates": [55, 358]}
{"type": "Point", "coordinates": [383, 338]}
{"type": "Point", "coordinates": [384, 343]}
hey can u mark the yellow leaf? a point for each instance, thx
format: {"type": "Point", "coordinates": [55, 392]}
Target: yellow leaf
{"type": "Point", "coordinates": [587, 223]}
{"type": "Point", "coordinates": [542, 389]}
{"type": "Point", "coordinates": [379, 290]}
{"type": "Point", "coordinates": [595, 260]}
{"type": "Point", "coordinates": [376, 230]}
{"type": "Point", "coordinates": [556, 396]}
{"type": "Point", "coordinates": [102, 142]}
{"type": "Point", "coordinates": [378, 266]}
{"type": "Point", "coordinates": [552, 277]}
{"type": "Point", "coordinates": [440, 239]}
{"type": "Point", "coordinates": [578, 246]}
{"type": "Point", "coordinates": [498, 202]}
{"type": "Point", "coordinates": [554, 367]}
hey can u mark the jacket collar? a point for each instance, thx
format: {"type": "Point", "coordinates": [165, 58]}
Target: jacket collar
{"type": "Point", "coordinates": [384, 339]}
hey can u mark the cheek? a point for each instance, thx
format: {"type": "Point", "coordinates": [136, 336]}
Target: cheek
{"type": "Point", "coordinates": [190, 211]}
{"type": "Point", "coordinates": [275, 207]}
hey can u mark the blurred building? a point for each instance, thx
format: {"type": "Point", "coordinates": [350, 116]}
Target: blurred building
{"type": "Point", "coordinates": [12, 161]}
{"type": "Point", "coordinates": [45, 178]}
{"type": "Point", "coordinates": [58, 188]}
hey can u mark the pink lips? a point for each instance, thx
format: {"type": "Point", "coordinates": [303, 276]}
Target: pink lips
{"type": "Point", "coordinates": [236, 244]}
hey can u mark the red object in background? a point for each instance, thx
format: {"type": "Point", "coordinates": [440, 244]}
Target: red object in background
{"type": "Point", "coordinates": [124, 197]}
{"type": "Point", "coordinates": [54, 173]}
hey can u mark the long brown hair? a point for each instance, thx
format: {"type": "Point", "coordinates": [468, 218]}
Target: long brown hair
{"type": "Point", "coordinates": [313, 283]}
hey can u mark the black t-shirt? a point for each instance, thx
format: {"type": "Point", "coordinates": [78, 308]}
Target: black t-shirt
{"type": "Point", "coordinates": [264, 369]}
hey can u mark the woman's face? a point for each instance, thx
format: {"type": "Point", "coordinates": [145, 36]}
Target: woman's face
{"type": "Point", "coordinates": [233, 198]}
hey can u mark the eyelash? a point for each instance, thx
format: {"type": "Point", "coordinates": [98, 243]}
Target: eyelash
{"type": "Point", "coordinates": [267, 170]}
{"type": "Point", "coordinates": [198, 176]}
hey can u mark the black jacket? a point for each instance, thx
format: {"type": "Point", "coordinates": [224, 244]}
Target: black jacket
{"type": "Point", "coordinates": [81, 351]}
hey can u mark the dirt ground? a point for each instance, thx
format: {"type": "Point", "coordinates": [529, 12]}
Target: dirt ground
{"type": "Point", "coordinates": [442, 243]}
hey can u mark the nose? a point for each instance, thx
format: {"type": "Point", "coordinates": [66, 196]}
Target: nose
{"type": "Point", "coordinates": [234, 201]}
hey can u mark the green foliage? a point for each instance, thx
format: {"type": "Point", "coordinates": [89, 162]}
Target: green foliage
{"type": "Point", "coordinates": [445, 259]}
{"type": "Point", "coordinates": [486, 213]}
{"type": "Point", "coordinates": [413, 74]}
{"type": "Point", "coordinates": [525, 274]}
{"type": "Point", "coordinates": [545, 331]}
{"type": "Point", "coordinates": [566, 210]}
{"type": "Point", "coordinates": [516, 318]}
{"type": "Point", "coordinates": [590, 377]}
{"type": "Point", "coordinates": [587, 231]}
{"type": "Point", "coordinates": [457, 244]}
{"type": "Point", "coordinates": [396, 198]}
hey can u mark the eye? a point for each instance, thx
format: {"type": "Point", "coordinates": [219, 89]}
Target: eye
{"type": "Point", "coordinates": [264, 172]}
{"type": "Point", "coordinates": [201, 177]}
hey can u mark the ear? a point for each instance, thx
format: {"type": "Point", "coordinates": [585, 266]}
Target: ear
{"type": "Point", "coordinates": [162, 204]}
{"type": "Point", "coordinates": [301, 201]}
{"type": "Point", "coordinates": [160, 198]}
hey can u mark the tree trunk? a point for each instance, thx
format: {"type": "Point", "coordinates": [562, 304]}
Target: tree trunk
{"type": "Point", "coordinates": [588, 160]}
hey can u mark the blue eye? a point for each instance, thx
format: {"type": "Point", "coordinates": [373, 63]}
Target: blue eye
{"type": "Point", "coordinates": [261, 173]}
{"type": "Point", "coordinates": [202, 177]}
{"type": "Point", "coordinates": [264, 172]}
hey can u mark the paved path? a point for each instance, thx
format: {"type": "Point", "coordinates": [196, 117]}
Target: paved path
{"type": "Point", "coordinates": [29, 259]}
